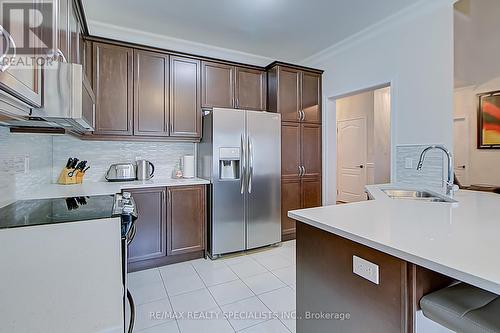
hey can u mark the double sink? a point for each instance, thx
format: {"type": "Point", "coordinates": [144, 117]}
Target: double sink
{"type": "Point", "coordinates": [416, 195]}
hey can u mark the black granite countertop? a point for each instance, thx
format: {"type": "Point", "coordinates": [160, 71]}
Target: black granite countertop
{"type": "Point", "coordinates": [60, 210]}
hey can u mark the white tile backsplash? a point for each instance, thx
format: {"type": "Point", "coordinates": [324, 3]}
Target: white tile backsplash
{"type": "Point", "coordinates": [38, 148]}
{"type": "Point", "coordinates": [101, 154]}
{"type": "Point", "coordinates": [432, 171]}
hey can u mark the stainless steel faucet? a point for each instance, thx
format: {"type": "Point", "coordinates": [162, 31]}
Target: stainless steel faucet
{"type": "Point", "coordinates": [450, 187]}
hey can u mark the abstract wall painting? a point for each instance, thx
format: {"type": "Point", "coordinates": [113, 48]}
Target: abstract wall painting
{"type": "Point", "coordinates": [489, 121]}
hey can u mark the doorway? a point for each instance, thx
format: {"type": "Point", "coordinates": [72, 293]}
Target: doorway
{"type": "Point", "coordinates": [363, 143]}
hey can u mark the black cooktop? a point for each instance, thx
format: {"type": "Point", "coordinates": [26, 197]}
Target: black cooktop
{"type": "Point", "coordinates": [49, 211]}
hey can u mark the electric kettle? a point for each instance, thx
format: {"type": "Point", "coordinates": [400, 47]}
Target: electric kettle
{"type": "Point", "coordinates": [145, 170]}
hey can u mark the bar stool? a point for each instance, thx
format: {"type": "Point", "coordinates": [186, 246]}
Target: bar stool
{"type": "Point", "coordinates": [463, 308]}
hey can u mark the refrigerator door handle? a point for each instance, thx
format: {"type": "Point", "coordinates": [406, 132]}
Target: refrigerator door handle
{"type": "Point", "coordinates": [243, 165]}
{"type": "Point", "coordinates": [250, 164]}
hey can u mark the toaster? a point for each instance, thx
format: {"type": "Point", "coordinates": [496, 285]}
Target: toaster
{"type": "Point", "coordinates": [121, 172]}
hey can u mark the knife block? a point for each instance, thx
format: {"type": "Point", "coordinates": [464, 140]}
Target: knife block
{"type": "Point", "coordinates": [65, 179]}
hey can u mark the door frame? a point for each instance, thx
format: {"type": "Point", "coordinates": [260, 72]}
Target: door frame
{"type": "Point", "coordinates": [337, 145]}
{"type": "Point", "coordinates": [466, 119]}
{"type": "Point", "coordinates": [330, 136]}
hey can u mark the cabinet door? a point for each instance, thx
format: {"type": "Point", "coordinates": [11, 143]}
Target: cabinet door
{"type": "Point", "coordinates": [288, 94]}
{"type": "Point", "coordinates": [112, 83]}
{"type": "Point", "coordinates": [186, 219]}
{"type": "Point", "coordinates": [185, 87]}
{"type": "Point", "coordinates": [290, 200]}
{"type": "Point", "coordinates": [23, 82]}
{"type": "Point", "coordinates": [73, 35]}
{"type": "Point", "coordinates": [311, 192]}
{"type": "Point", "coordinates": [290, 150]}
{"type": "Point", "coordinates": [311, 149]}
{"type": "Point", "coordinates": [311, 97]}
{"type": "Point", "coordinates": [151, 236]}
{"type": "Point", "coordinates": [87, 59]}
{"type": "Point", "coordinates": [150, 93]}
{"type": "Point", "coordinates": [217, 85]}
{"type": "Point", "coordinates": [250, 89]}
{"type": "Point", "coordinates": [63, 35]}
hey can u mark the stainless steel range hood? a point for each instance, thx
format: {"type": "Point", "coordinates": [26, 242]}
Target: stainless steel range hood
{"type": "Point", "coordinates": [68, 99]}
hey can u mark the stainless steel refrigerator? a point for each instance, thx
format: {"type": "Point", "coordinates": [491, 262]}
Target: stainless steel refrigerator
{"type": "Point", "coordinates": [240, 154]}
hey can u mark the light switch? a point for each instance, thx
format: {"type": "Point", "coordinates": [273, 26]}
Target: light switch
{"type": "Point", "coordinates": [365, 269]}
{"type": "Point", "coordinates": [408, 163]}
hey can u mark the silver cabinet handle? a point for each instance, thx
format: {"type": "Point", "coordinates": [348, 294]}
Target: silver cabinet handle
{"type": "Point", "coordinates": [250, 164]}
{"type": "Point", "coordinates": [300, 171]}
{"type": "Point", "coordinates": [243, 164]}
{"type": "Point", "coordinates": [303, 171]}
{"type": "Point", "coordinates": [299, 115]}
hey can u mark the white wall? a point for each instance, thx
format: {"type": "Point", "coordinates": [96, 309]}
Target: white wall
{"type": "Point", "coordinates": [412, 51]}
{"type": "Point", "coordinates": [484, 163]}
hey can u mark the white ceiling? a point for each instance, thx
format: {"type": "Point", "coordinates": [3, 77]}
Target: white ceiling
{"type": "Point", "coordinates": [290, 30]}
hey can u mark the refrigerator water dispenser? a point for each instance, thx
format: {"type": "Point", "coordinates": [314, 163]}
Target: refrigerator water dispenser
{"type": "Point", "coordinates": [229, 163]}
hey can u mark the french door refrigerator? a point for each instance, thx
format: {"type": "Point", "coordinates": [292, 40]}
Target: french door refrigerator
{"type": "Point", "coordinates": [240, 153]}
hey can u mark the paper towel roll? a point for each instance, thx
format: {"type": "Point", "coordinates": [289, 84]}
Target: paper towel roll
{"type": "Point", "coordinates": [188, 166]}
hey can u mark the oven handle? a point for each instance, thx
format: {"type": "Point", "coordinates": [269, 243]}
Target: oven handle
{"type": "Point", "coordinates": [131, 235]}
{"type": "Point", "coordinates": [132, 311]}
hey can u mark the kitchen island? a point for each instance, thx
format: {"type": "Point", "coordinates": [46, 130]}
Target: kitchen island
{"type": "Point", "coordinates": [418, 247]}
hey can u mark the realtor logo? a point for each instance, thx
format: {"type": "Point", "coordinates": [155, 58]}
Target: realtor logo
{"type": "Point", "coordinates": [26, 33]}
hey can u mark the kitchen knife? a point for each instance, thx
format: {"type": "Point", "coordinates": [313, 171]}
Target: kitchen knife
{"type": "Point", "coordinates": [69, 163]}
{"type": "Point", "coordinates": [75, 162]}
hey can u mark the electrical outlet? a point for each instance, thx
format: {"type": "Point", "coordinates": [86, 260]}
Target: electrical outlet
{"type": "Point", "coordinates": [365, 269]}
{"type": "Point", "coordinates": [408, 163]}
{"type": "Point", "coordinates": [14, 164]}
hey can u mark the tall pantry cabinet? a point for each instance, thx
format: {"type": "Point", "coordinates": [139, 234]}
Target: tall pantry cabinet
{"type": "Point", "coordinates": [295, 93]}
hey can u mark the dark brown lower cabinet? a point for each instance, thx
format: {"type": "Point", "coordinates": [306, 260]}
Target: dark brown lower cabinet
{"type": "Point", "coordinates": [290, 200]}
{"type": "Point", "coordinates": [150, 240]}
{"type": "Point", "coordinates": [326, 285]}
{"type": "Point", "coordinates": [170, 226]}
{"type": "Point", "coordinates": [186, 219]}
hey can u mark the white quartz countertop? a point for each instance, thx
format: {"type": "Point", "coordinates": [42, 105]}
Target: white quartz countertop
{"type": "Point", "coordinates": [104, 188]}
{"type": "Point", "coordinates": [461, 239]}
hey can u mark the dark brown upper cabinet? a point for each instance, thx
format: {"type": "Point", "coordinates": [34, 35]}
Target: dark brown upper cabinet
{"type": "Point", "coordinates": [295, 93]}
{"type": "Point", "coordinates": [218, 85]}
{"type": "Point", "coordinates": [74, 32]}
{"type": "Point", "coordinates": [113, 86]}
{"type": "Point", "coordinates": [62, 42]}
{"type": "Point", "coordinates": [186, 219]}
{"type": "Point", "coordinates": [24, 84]}
{"type": "Point", "coordinates": [311, 97]}
{"type": "Point", "coordinates": [151, 93]}
{"type": "Point", "coordinates": [250, 89]}
{"type": "Point", "coordinates": [150, 240]}
{"type": "Point", "coordinates": [288, 101]}
{"type": "Point", "coordinates": [86, 58]}
{"type": "Point", "coordinates": [185, 97]}
{"type": "Point", "coordinates": [229, 86]}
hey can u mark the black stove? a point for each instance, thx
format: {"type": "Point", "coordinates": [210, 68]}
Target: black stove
{"type": "Point", "coordinates": [57, 210]}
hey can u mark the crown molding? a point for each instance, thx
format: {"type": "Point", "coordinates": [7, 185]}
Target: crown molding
{"type": "Point", "coordinates": [380, 27]}
{"type": "Point", "coordinates": [111, 31]}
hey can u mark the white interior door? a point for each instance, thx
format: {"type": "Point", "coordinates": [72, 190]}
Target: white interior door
{"type": "Point", "coordinates": [461, 149]}
{"type": "Point", "coordinates": [351, 159]}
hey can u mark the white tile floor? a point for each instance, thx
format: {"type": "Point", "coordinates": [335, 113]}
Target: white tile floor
{"type": "Point", "coordinates": [252, 292]}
